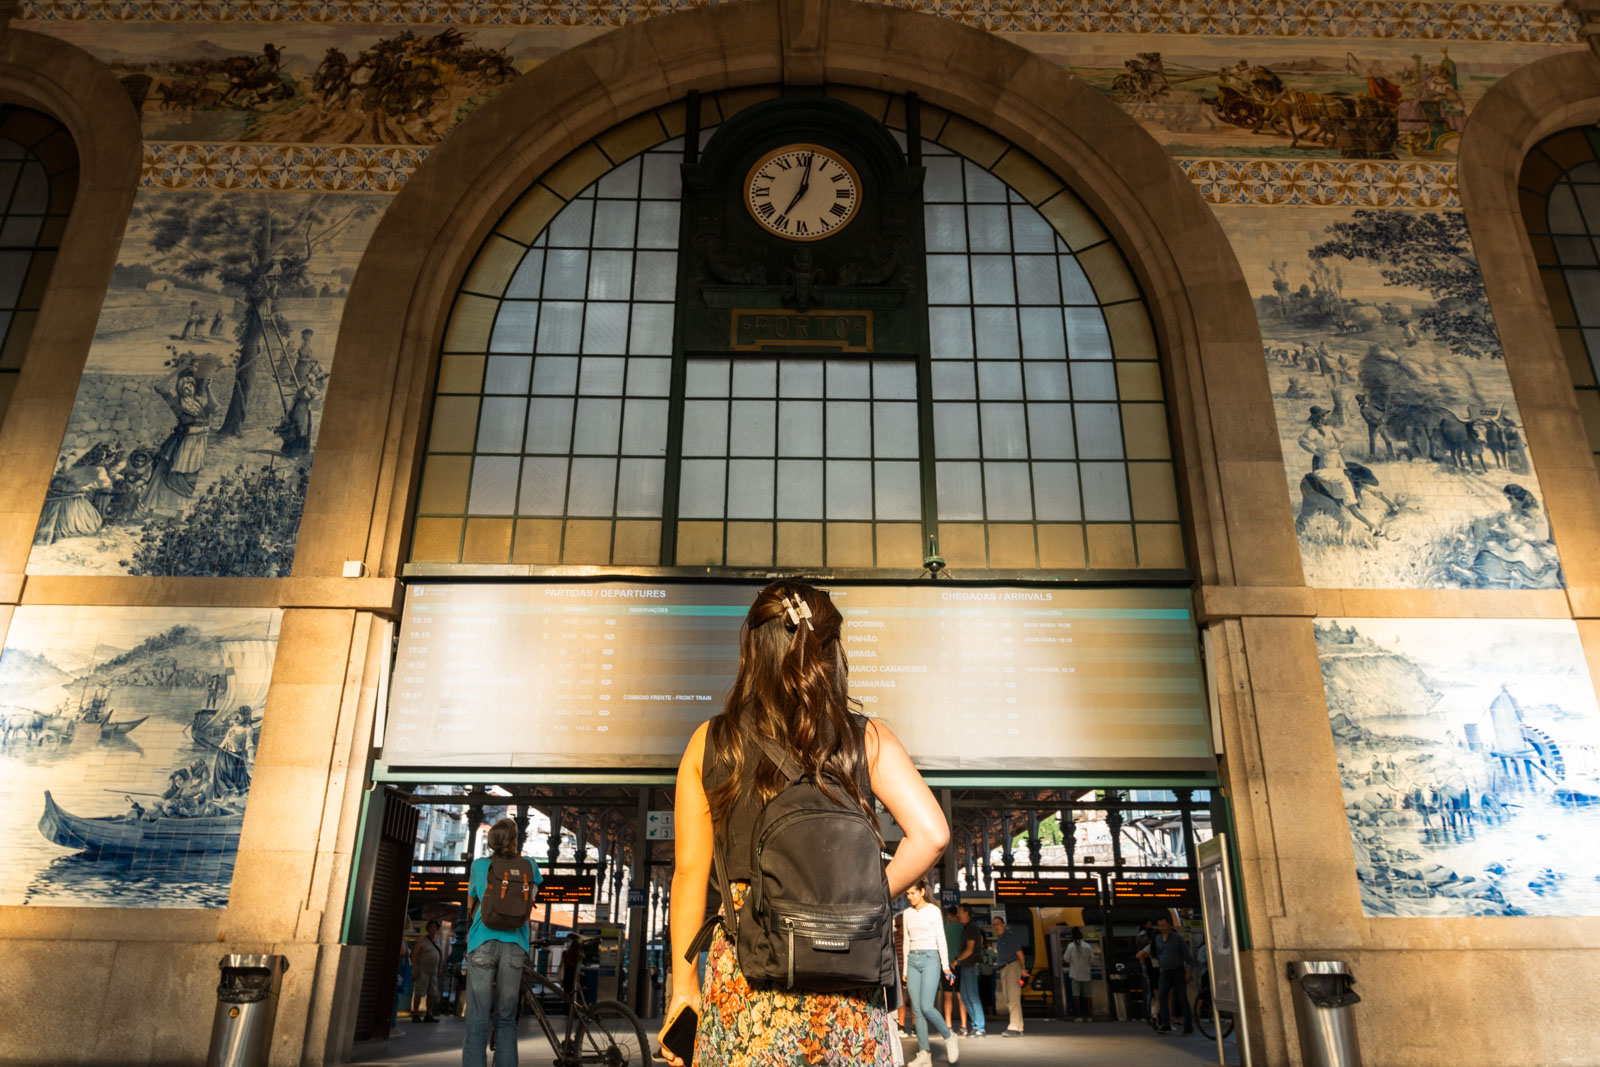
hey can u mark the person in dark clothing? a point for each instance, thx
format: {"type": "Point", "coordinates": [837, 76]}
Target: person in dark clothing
{"type": "Point", "coordinates": [968, 963]}
{"type": "Point", "coordinates": [1176, 963]}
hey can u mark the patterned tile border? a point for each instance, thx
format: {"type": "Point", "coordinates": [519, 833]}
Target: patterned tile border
{"type": "Point", "coordinates": [1411, 19]}
{"type": "Point", "coordinates": [385, 169]}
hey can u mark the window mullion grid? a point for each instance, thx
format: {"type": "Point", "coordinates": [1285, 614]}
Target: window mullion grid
{"type": "Point", "coordinates": [1027, 436]}
{"type": "Point", "coordinates": [977, 358]}
{"type": "Point", "coordinates": [577, 378]}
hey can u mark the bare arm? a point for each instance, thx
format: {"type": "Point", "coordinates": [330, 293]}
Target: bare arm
{"type": "Point", "coordinates": [896, 782]}
{"type": "Point", "coordinates": [692, 849]}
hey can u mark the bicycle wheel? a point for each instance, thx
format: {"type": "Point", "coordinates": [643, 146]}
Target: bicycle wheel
{"type": "Point", "coordinates": [1203, 1018]}
{"type": "Point", "coordinates": [614, 1036]}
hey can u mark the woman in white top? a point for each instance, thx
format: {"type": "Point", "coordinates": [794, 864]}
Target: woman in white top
{"type": "Point", "coordinates": [927, 956]}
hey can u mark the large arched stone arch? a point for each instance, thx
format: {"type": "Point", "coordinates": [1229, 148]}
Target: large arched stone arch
{"type": "Point", "coordinates": [1197, 294]}
{"type": "Point", "coordinates": [78, 90]}
{"type": "Point", "coordinates": [1523, 109]}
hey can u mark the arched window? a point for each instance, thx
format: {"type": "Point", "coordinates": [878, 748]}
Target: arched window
{"type": "Point", "coordinates": [559, 390]}
{"type": "Point", "coordinates": [38, 178]}
{"type": "Point", "coordinates": [1560, 192]}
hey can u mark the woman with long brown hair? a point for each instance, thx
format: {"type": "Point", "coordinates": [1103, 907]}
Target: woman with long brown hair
{"type": "Point", "coordinates": [791, 692]}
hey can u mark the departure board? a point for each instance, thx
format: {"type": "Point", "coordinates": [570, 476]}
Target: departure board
{"type": "Point", "coordinates": [1167, 892]}
{"type": "Point", "coordinates": [614, 674]}
{"type": "Point", "coordinates": [1047, 892]}
{"type": "Point", "coordinates": [566, 889]}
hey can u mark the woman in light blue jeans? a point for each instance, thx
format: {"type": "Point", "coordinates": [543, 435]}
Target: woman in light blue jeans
{"type": "Point", "coordinates": [927, 956]}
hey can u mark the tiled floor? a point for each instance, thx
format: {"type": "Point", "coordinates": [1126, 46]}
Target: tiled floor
{"type": "Point", "coordinates": [1057, 1044]}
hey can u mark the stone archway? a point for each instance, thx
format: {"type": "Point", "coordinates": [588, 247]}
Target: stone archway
{"type": "Point", "coordinates": [1196, 291]}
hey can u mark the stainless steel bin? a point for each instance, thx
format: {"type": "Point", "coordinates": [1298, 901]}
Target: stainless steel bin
{"type": "Point", "coordinates": [1324, 1013]}
{"type": "Point", "coordinates": [247, 1004]}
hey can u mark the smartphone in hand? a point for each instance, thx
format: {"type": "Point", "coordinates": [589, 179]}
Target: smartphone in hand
{"type": "Point", "coordinates": [677, 1037]}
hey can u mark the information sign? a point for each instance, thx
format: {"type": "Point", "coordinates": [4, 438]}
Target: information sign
{"type": "Point", "coordinates": [1158, 892]}
{"type": "Point", "coordinates": [658, 826]}
{"type": "Point", "coordinates": [566, 889]}
{"type": "Point", "coordinates": [636, 898]}
{"type": "Point", "coordinates": [949, 898]}
{"type": "Point", "coordinates": [1047, 892]}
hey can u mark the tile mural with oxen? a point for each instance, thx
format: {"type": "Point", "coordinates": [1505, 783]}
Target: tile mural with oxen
{"type": "Point", "coordinates": [1469, 755]}
{"type": "Point", "coordinates": [190, 442]}
{"type": "Point", "coordinates": [1402, 442]}
{"type": "Point", "coordinates": [127, 745]}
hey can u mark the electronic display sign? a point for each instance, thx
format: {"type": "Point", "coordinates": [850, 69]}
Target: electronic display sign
{"type": "Point", "coordinates": [609, 674]}
{"type": "Point", "coordinates": [1156, 892]}
{"type": "Point", "coordinates": [566, 889]}
{"type": "Point", "coordinates": [1047, 892]}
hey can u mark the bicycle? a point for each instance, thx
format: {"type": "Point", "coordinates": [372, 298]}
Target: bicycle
{"type": "Point", "coordinates": [1202, 1009]}
{"type": "Point", "coordinates": [606, 1032]}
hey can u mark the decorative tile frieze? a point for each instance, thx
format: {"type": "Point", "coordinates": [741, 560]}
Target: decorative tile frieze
{"type": "Point", "coordinates": [1323, 183]}
{"type": "Point", "coordinates": [282, 167]}
{"type": "Point", "coordinates": [1406, 19]}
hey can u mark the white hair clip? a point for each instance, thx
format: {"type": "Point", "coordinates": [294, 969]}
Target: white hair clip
{"type": "Point", "coordinates": [798, 609]}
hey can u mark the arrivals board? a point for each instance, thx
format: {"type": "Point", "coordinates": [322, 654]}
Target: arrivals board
{"type": "Point", "coordinates": [612, 674]}
{"type": "Point", "coordinates": [1047, 892]}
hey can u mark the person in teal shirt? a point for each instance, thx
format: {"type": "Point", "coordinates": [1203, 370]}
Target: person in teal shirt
{"type": "Point", "coordinates": [494, 962]}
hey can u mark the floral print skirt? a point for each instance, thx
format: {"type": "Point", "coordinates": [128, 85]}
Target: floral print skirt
{"type": "Point", "coordinates": [745, 1026]}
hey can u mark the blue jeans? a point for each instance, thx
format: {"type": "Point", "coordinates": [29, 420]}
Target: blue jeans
{"type": "Point", "coordinates": [922, 967]}
{"type": "Point", "coordinates": [969, 997]}
{"type": "Point", "coordinates": [494, 978]}
{"type": "Point", "coordinates": [1174, 997]}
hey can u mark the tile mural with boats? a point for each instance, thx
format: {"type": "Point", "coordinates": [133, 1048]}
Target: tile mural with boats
{"type": "Point", "coordinates": [127, 744]}
{"type": "Point", "coordinates": [1469, 755]}
{"type": "Point", "coordinates": [1403, 446]}
{"type": "Point", "coordinates": [190, 442]}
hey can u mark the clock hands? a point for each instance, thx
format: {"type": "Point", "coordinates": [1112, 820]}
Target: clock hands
{"type": "Point", "coordinates": [805, 183]}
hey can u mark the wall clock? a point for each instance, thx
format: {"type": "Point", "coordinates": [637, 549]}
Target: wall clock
{"type": "Point", "coordinates": [802, 192]}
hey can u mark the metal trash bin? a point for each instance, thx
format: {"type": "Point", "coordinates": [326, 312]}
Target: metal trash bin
{"type": "Point", "coordinates": [247, 1004]}
{"type": "Point", "coordinates": [1323, 1013]}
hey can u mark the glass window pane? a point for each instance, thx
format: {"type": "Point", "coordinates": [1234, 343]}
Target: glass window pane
{"type": "Point", "coordinates": [849, 428]}
{"type": "Point", "coordinates": [623, 181]}
{"type": "Point", "coordinates": [955, 431]}
{"type": "Point", "coordinates": [950, 333]}
{"type": "Point", "coordinates": [639, 485]}
{"type": "Point", "coordinates": [1099, 431]}
{"type": "Point", "coordinates": [991, 280]}
{"type": "Point", "coordinates": [514, 327]}
{"type": "Point", "coordinates": [613, 223]}
{"type": "Point", "coordinates": [894, 430]}
{"type": "Point", "coordinates": [651, 334]}
{"type": "Point", "coordinates": [1038, 281]}
{"type": "Point", "coordinates": [1105, 491]}
{"type": "Point", "coordinates": [750, 488]}
{"type": "Point", "coordinates": [897, 491]}
{"type": "Point", "coordinates": [947, 280]}
{"type": "Point", "coordinates": [610, 275]}
{"type": "Point", "coordinates": [528, 279]}
{"type": "Point", "coordinates": [755, 377]}
{"type": "Point", "coordinates": [544, 486]}
{"type": "Point", "coordinates": [943, 182]}
{"type": "Point", "coordinates": [1086, 334]}
{"type": "Point", "coordinates": [705, 427]}
{"type": "Point", "coordinates": [1075, 287]}
{"type": "Point", "coordinates": [1589, 200]}
{"type": "Point", "coordinates": [1585, 288]}
{"type": "Point", "coordinates": [960, 490]}
{"type": "Point", "coordinates": [1007, 491]}
{"type": "Point", "coordinates": [894, 381]}
{"type": "Point", "coordinates": [1000, 381]}
{"type": "Point", "coordinates": [1042, 334]}
{"type": "Point", "coordinates": [946, 228]}
{"type": "Point", "coordinates": [500, 424]}
{"type": "Point", "coordinates": [983, 187]}
{"type": "Point", "coordinates": [33, 191]}
{"type": "Point", "coordinates": [560, 327]}
{"type": "Point", "coordinates": [700, 488]}
{"type": "Point", "coordinates": [1050, 431]}
{"type": "Point", "coordinates": [1046, 381]}
{"type": "Point", "coordinates": [848, 378]}
{"type": "Point", "coordinates": [555, 375]}
{"type": "Point", "coordinates": [549, 425]}
{"type": "Point", "coordinates": [953, 381]}
{"type": "Point", "coordinates": [658, 224]}
{"type": "Point", "coordinates": [799, 489]}
{"type": "Point", "coordinates": [752, 432]}
{"type": "Point", "coordinates": [567, 273]}
{"type": "Point", "coordinates": [1004, 431]}
{"type": "Point", "coordinates": [644, 428]}
{"type": "Point", "coordinates": [598, 426]}
{"type": "Point", "coordinates": [605, 328]}
{"type": "Point", "coordinates": [655, 276]}
{"type": "Point", "coordinates": [594, 487]}
{"type": "Point", "coordinates": [997, 333]}
{"type": "Point", "coordinates": [572, 226]}
{"type": "Point", "coordinates": [1575, 251]}
{"type": "Point", "coordinates": [508, 374]}
{"type": "Point", "coordinates": [601, 375]}
{"type": "Point", "coordinates": [662, 178]}
{"type": "Point", "coordinates": [1562, 211]}
{"type": "Point", "coordinates": [800, 378]}
{"type": "Point", "coordinates": [1094, 381]}
{"type": "Point", "coordinates": [800, 428]}
{"type": "Point", "coordinates": [1055, 492]}
{"type": "Point", "coordinates": [849, 489]}
{"type": "Point", "coordinates": [707, 377]}
{"type": "Point", "coordinates": [648, 377]}
{"type": "Point", "coordinates": [989, 228]}
{"type": "Point", "coordinates": [494, 485]}
{"type": "Point", "coordinates": [1029, 230]}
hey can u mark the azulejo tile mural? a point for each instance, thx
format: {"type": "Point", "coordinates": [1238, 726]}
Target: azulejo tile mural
{"type": "Point", "coordinates": [127, 747]}
{"type": "Point", "coordinates": [1323, 183]}
{"type": "Point", "coordinates": [1469, 754]}
{"type": "Point", "coordinates": [1402, 442]}
{"type": "Point", "coordinates": [191, 439]}
{"type": "Point", "coordinates": [280, 168]}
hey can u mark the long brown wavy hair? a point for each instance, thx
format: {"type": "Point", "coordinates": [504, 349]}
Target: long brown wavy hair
{"type": "Point", "coordinates": [791, 688]}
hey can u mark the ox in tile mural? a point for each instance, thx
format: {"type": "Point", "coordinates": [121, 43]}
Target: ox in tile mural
{"type": "Point", "coordinates": [127, 745]}
{"type": "Point", "coordinates": [190, 442]}
{"type": "Point", "coordinates": [1403, 446]}
{"type": "Point", "coordinates": [1469, 754]}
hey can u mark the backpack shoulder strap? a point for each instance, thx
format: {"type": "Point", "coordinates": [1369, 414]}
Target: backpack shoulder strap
{"type": "Point", "coordinates": [782, 760]}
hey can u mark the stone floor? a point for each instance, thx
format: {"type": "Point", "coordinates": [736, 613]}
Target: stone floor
{"type": "Point", "coordinates": [1058, 1044]}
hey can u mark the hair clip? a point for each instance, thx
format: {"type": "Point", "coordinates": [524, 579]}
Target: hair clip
{"type": "Point", "coordinates": [798, 609]}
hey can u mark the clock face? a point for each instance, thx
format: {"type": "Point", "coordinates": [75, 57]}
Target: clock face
{"type": "Point", "coordinates": [802, 192]}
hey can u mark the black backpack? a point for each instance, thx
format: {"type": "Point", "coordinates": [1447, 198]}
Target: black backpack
{"type": "Point", "coordinates": [508, 898]}
{"type": "Point", "coordinates": [817, 916]}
